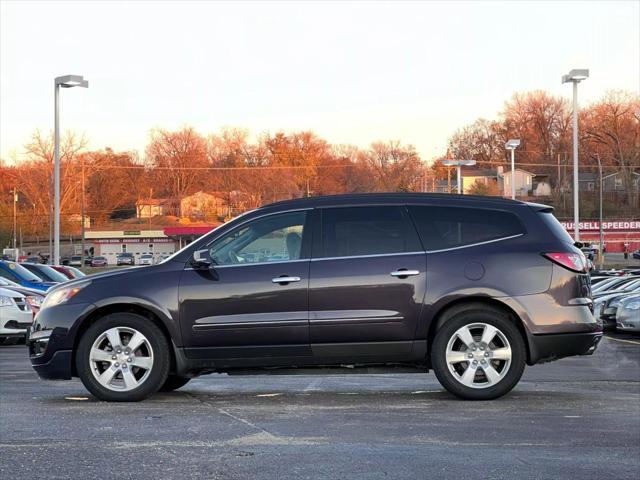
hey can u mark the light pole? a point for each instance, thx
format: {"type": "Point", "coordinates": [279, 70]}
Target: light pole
{"type": "Point", "coordinates": [600, 250]}
{"type": "Point", "coordinates": [66, 81]}
{"type": "Point", "coordinates": [458, 164]}
{"type": "Point", "coordinates": [512, 145]}
{"type": "Point", "coordinates": [575, 76]}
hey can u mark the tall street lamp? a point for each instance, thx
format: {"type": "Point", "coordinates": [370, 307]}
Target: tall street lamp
{"type": "Point", "coordinates": [512, 145]}
{"type": "Point", "coordinates": [66, 81]}
{"type": "Point", "coordinates": [575, 76]}
{"type": "Point", "coordinates": [459, 164]}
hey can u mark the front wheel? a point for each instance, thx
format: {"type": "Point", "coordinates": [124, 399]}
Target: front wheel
{"type": "Point", "coordinates": [123, 357]}
{"type": "Point", "coordinates": [479, 354]}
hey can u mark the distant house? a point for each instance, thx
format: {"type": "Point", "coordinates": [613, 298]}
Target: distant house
{"type": "Point", "coordinates": [152, 207]}
{"type": "Point", "coordinates": [202, 205]}
{"type": "Point", "coordinates": [500, 177]}
{"type": "Point", "coordinates": [471, 177]}
{"type": "Point", "coordinates": [522, 178]}
{"type": "Point", "coordinates": [611, 182]}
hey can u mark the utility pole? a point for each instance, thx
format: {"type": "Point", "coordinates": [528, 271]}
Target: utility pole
{"type": "Point", "coordinates": [600, 251]}
{"type": "Point", "coordinates": [15, 219]}
{"type": "Point", "coordinates": [82, 215]}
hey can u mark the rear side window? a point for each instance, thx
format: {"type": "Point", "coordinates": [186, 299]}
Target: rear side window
{"type": "Point", "coordinates": [450, 227]}
{"type": "Point", "coordinates": [555, 226]}
{"type": "Point", "coordinates": [357, 231]}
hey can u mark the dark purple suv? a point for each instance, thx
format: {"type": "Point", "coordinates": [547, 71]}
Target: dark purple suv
{"type": "Point", "coordinates": [474, 288]}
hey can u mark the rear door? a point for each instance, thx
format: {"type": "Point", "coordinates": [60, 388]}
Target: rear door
{"type": "Point", "coordinates": [367, 283]}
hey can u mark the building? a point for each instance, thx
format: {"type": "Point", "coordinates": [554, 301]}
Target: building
{"type": "Point", "coordinates": [152, 207]}
{"type": "Point", "coordinates": [611, 182]}
{"type": "Point", "coordinates": [522, 178]}
{"type": "Point", "coordinates": [109, 244]}
{"type": "Point", "coordinates": [203, 205]}
{"type": "Point", "coordinates": [471, 177]}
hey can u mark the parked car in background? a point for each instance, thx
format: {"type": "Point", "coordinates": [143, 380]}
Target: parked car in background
{"type": "Point", "coordinates": [75, 261]}
{"type": "Point", "coordinates": [99, 262]}
{"type": "Point", "coordinates": [15, 315]}
{"type": "Point", "coordinates": [146, 259]}
{"type": "Point", "coordinates": [636, 254]}
{"type": "Point", "coordinates": [46, 273]}
{"type": "Point", "coordinates": [472, 287]}
{"type": "Point", "coordinates": [17, 273]}
{"type": "Point", "coordinates": [125, 259]}
{"type": "Point", "coordinates": [68, 271]}
{"type": "Point", "coordinates": [33, 259]}
{"type": "Point", "coordinates": [34, 297]}
{"type": "Point", "coordinates": [628, 314]}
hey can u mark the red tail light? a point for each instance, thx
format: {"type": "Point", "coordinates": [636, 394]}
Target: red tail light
{"type": "Point", "coordinates": [572, 261]}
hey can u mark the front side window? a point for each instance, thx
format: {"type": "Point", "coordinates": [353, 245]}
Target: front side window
{"type": "Point", "coordinates": [274, 238]}
{"type": "Point", "coordinates": [449, 227]}
{"type": "Point", "coordinates": [357, 231]}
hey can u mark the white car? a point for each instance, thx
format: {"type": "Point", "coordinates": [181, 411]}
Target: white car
{"type": "Point", "coordinates": [146, 259]}
{"type": "Point", "coordinates": [15, 315]}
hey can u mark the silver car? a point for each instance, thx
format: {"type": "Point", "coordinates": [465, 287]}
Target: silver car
{"type": "Point", "coordinates": [628, 314]}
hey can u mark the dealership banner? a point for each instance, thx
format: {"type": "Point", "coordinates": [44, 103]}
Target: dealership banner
{"type": "Point", "coordinates": [609, 225]}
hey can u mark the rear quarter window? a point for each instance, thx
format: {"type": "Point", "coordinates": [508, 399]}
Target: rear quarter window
{"type": "Point", "coordinates": [552, 223]}
{"type": "Point", "coordinates": [441, 228]}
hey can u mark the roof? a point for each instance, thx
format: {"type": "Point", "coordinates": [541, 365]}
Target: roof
{"type": "Point", "coordinates": [153, 201]}
{"type": "Point", "coordinates": [388, 198]}
{"type": "Point", "coordinates": [188, 230]}
{"type": "Point", "coordinates": [479, 173]}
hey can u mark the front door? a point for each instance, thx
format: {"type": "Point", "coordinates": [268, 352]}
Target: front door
{"type": "Point", "coordinates": [367, 284]}
{"type": "Point", "coordinates": [254, 302]}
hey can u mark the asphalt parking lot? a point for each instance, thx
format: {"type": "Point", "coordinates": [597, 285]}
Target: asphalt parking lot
{"type": "Point", "coordinates": [575, 418]}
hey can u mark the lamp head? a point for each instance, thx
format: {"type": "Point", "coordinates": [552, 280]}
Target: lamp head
{"type": "Point", "coordinates": [512, 144]}
{"type": "Point", "coordinates": [576, 75]}
{"type": "Point", "coordinates": [69, 81]}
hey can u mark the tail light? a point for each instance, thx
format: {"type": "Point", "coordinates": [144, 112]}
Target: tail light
{"type": "Point", "coordinates": [571, 261]}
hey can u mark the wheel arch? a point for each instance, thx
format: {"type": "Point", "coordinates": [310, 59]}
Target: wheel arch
{"type": "Point", "coordinates": [108, 309]}
{"type": "Point", "coordinates": [451, 309]}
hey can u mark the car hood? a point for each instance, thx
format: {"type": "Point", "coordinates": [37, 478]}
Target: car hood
{"type": "Point", "coordinates": [26, 291]}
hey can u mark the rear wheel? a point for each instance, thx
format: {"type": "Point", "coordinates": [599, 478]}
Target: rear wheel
{"type": "Point", "coordinates": [174, 382]}
{"type": "Point", "coordinates": [478, 354]}
{"type": "Point", "coordinates": [123, 357]}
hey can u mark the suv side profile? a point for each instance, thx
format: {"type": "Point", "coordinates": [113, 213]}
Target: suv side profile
{"type": "Point", "coordinates": [474, 288]}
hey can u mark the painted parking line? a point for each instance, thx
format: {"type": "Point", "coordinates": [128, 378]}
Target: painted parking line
{"type": "Point", "coordinates": [633, 342]}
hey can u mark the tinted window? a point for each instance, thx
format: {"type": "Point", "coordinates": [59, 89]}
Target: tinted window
{"type": "Point", "coordinates": [556, 227]}
{"type": "Point", "coordinates": [366, 231]}
{"type": "Point", "coordinates": [275, 238]}
{"type": "Point", "coordinates": [449, 227]}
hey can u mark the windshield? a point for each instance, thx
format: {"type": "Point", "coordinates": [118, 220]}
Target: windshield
{"type": "Point", "coordinates": [22, 272]}
{"type": "Point", "coordinates": [48, 273]}
{"type": "Point", "coordinates": [4, 282]}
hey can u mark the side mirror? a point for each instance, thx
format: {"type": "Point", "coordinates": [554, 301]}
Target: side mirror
{"type": "Point", "coordinates": [201, 260]}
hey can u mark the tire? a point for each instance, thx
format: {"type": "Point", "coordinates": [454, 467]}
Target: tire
{"type": "Point", "coordinates": [118, 374]}
{"type": "Point", "coordinates": [174, 382]}
{"type": "Point", "coordinates": [492, 369]}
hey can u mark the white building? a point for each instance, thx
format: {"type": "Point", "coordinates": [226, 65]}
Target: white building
{"type": "Point", "coordinates": [109, 244]}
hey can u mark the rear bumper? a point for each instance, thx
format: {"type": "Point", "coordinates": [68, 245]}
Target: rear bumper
{"type": "Point", "coordinates": [547, 348]}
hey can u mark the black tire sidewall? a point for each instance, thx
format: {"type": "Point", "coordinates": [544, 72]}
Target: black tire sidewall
{"type": "Point", "coordinates": [161, 354]}
{"type": "Point", "coordinates": [174, 382]}
{"type": "Point", "coordinates": [478, 315]}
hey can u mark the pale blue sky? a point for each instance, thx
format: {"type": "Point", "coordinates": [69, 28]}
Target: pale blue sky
{"type": "Point", "coordinates": [352, 72]}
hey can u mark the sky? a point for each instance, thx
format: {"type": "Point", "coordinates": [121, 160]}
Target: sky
{"type": "Point", "coordinates": [353, 73]}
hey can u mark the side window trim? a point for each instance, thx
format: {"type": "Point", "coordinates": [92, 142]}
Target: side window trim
{"type": "Point", "coordinates": [501, 239]}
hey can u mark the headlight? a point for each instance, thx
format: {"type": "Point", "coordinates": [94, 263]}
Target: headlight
{"type": "Point", "coordinates": [62, 295]}
{"type": "Point", "coordinates": [635, 305]}
{"type": "Point", "coordinates": [5, 301]}
{"type": "Point", "coordinates": [34, 301]}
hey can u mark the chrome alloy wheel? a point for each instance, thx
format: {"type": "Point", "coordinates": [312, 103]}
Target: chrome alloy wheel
{"type": "Point", "coordinates": [121, 359]}
{"type": "Point", "coordinates": [478, 355]}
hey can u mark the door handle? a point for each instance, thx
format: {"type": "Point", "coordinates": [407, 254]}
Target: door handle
{"type": "Point", "coordinates": [403, 272]}
{"type": "Point", "coordinates": [285, 279]}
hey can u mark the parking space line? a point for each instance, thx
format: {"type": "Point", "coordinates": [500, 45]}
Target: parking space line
{"type": "Point", "coordinates": [622, 340]}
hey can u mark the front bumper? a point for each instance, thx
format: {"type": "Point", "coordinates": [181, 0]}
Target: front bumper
{"type": "Point", "coordinates": [51, 340]}
{"type": "Point", "coordinates": [550, 347]}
